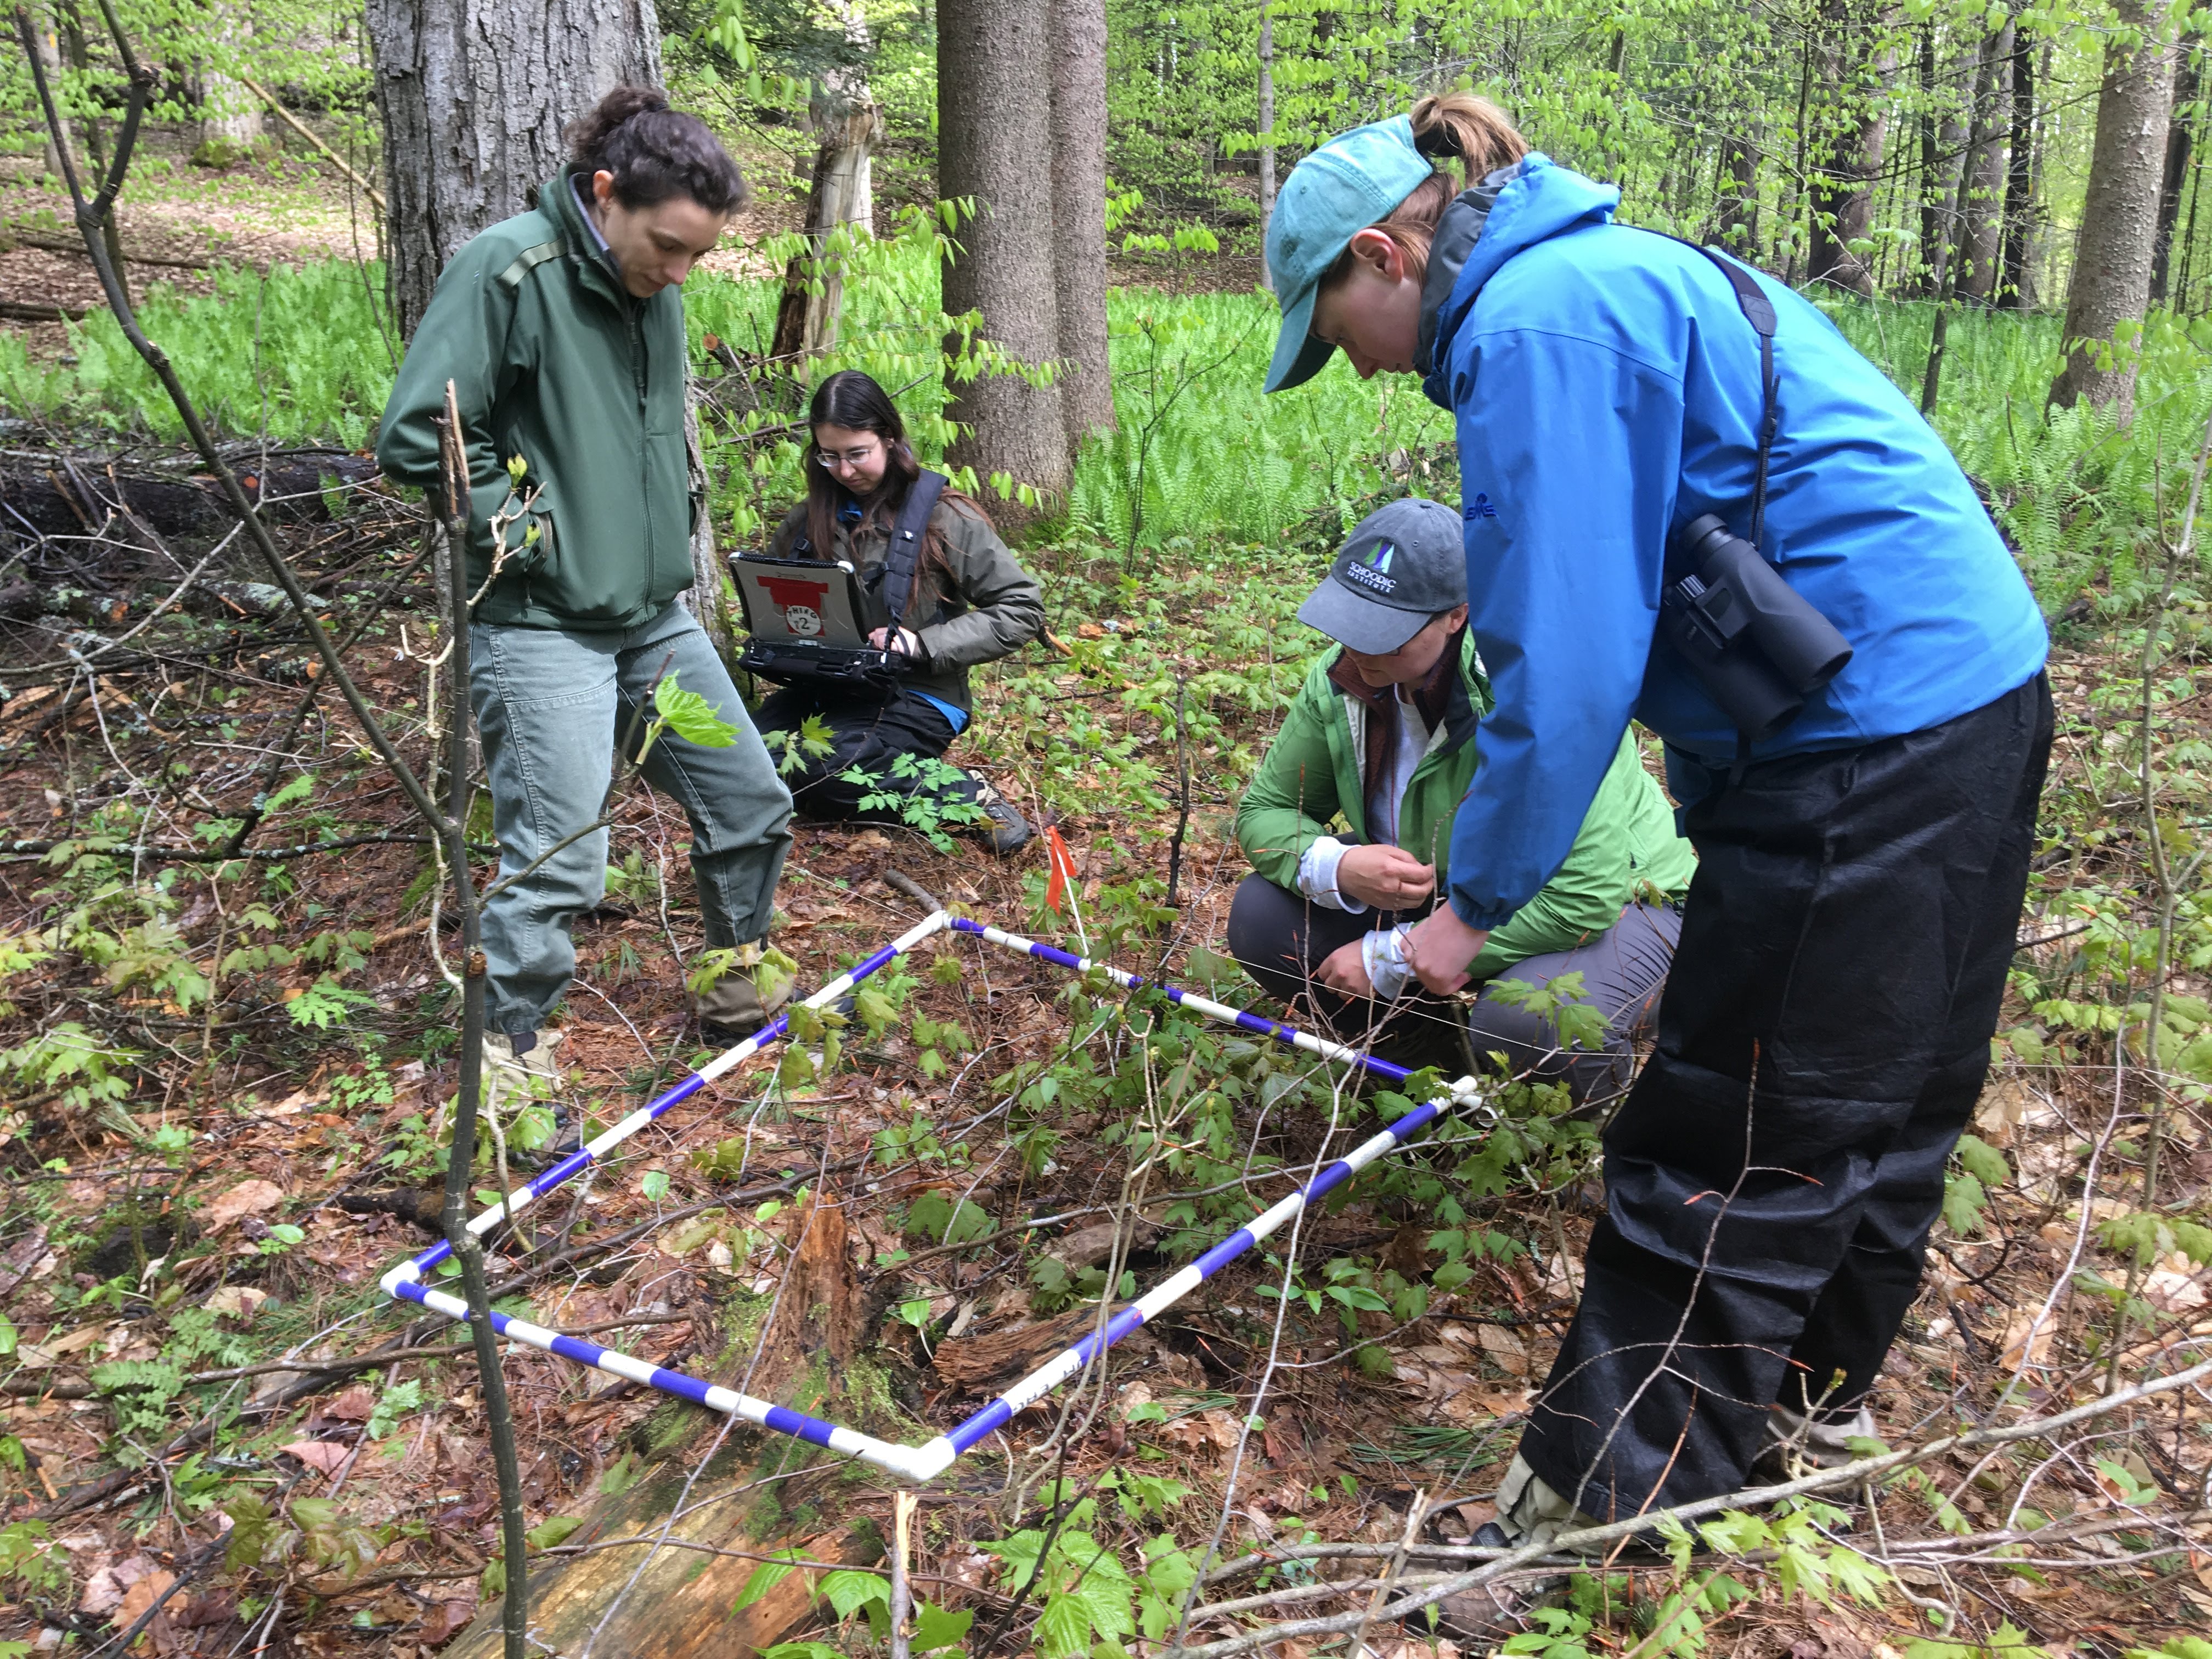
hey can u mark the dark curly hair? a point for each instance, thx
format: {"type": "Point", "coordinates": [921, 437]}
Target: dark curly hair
{"type": "Point", "coordinates": [655, 153]}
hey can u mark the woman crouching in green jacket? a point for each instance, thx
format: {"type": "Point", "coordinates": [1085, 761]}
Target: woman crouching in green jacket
{"type": "Point", "coordinates": [1382, 735]}
{"type": "Point", "coordinates": [970, 603]}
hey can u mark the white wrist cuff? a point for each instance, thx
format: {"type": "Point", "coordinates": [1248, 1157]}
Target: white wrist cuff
{"type": "Point", "coordinates": [1384, 956]}
{"type": "Point", "coordinates": [1317, 875]}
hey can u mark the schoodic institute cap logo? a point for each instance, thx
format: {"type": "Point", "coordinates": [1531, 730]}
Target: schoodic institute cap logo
{"type": "Point", "coordinates": [1374, 571]}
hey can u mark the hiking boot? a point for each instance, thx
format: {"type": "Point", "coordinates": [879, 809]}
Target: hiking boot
{"type": "Point", "coordinates": [1486, 1617]}
{"type": "Point", "coordinates": [1798, 1444]}
{"type": "Point", "coordinates": [745, 995]}
{"type": "Point", "coordinates": [518, 1071]}
{"type": "Point", "coordinates": [1007, 830]}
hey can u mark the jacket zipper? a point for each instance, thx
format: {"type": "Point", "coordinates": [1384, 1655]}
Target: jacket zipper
{"type": "Point", "coordinates": [634, 313]}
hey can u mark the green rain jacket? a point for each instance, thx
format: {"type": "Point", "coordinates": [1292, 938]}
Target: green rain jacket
{"type": "Point", "coordinates": [556, 362]}
{"type": "Point", "coordinates": [1311, 776]}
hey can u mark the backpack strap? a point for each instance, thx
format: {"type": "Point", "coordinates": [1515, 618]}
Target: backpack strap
{"type": "Point", "coordinates": [907, 533]}
{"type": "Point", "coordinates": [1758, 312]}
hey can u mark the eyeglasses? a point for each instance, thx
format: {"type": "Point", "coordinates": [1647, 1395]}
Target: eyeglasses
{"type": "Point", "coordinates": [833, 458]}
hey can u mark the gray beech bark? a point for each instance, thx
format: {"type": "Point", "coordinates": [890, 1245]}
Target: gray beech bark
{"type": "Point", "coordinates": [1843, 189]}
{"type": "Point", "coordinates": [2119, 216]}
{"type": "Point", "coordinates": [1981, 224]}
{"type": "Point", "coordinates": [1079, 214]}
{"type": "Point", "coordinates": [228, 113]}
{"type": "Point", "coordinates": [847, 124]}
{"type": "Point", "coordinates": [50, 56]}
{"type": "Point", "coordinates": [995, 108]}
{"type": "Point", "coordinates": [474, 94]}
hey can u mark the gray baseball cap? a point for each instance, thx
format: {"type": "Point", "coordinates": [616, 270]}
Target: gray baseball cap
{"type": "Point", "coordinates": [1405, 564]}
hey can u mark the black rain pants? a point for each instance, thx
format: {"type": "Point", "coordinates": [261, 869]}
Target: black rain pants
{"type": "Point", "coordinates": [1772, 1177]}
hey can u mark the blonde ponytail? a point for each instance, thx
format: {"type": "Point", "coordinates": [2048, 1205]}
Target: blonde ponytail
{"type": "Point", "coordinates": [1468, 134]}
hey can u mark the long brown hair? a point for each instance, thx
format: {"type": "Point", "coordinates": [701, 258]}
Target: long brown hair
{"type": "Point", "coordinates": [1463, 132]}
{"type": "Point", "coordinates": [854, 400]}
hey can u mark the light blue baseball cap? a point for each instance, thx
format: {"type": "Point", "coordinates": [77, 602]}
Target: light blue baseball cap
{"type": "Point", "coordinates": [1352, 181]}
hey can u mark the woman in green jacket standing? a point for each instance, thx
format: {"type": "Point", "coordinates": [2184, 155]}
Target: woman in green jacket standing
{"type": "Point", "coordinates": [562, 331]}
{"type": "Point", "coordinates": [1381, 736]}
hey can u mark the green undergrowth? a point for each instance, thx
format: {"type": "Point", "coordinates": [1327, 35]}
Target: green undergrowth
{"type": "Point", "coordinates": [302, 356]}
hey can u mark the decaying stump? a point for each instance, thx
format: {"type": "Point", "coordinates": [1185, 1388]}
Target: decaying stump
{"type": "Point", "coordinates": [818, 1320]}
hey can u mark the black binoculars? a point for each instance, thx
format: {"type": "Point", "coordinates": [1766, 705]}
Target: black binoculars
{"type": "Point", "coordinates": [1756, 646]}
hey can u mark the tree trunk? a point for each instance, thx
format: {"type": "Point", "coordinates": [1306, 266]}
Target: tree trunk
{"type": "Point", "coordinates": [2188, 231]}
{"type": "Point", "coordinates": [1266, 119]}
{"type": "Point", "coordinates": [2119, 216]}
{"type": "Point", "coordinates": [50, 59]}
{"type": "Point", "coordinates": [1954, 149]}
{"type": "Point", "coordinates": [2176, 175]}
{"type": "Point", "coordinates": [92, 163]}
{"type": "Point", "coordinates": [474, 94]}
{"type": "Point", "coordinates": [1738, 230]}
{"type": "Point", "coordinates": [1078, 214]}
{"type": "Point", "coordinates": [1002, 263]}
{"type": "Point", "coordinates": [839, 200]}
{"type": "Point", "coordinates": [2016, 287]}
{"type": "Point", "coordinates": [1981, 226]}
{"type": "Point", "coordinates": [710, 581]}
{"type": "Point", "coordinates": [1930, 277]}
{"type": "Point", "coordinates": [230, 116]}
{"type": "Point", "coordinates": [1850, 158]}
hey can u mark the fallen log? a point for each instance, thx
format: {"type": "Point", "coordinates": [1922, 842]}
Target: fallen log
{"type": "Point", "coordinates": [29, 310]}
{"type": "Point", "coordinates": [77, 494]}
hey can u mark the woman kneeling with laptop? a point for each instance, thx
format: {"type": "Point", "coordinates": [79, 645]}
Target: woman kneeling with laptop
{"type": "Point", "coordinates": [1383, 736]}
{"type": "Point", "coordinates": [966, 601]}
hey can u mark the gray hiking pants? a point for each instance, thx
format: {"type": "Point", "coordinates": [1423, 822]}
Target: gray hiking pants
{"type": "Point", "coordinates": [1280, 939]}
{"type": "Point", "coordinates": [551, 706]}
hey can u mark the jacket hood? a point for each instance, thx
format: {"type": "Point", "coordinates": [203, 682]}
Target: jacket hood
{"type": "Point", "coordinates": [1538, 202]}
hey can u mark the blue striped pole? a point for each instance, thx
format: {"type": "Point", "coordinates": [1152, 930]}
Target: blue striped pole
{"type": "Point", "coordinates": [927, 1461]}
{"type": "Point", "coordinates": [535, 1189]}
{"type": "Point", "coordinates": [1221, 1011]}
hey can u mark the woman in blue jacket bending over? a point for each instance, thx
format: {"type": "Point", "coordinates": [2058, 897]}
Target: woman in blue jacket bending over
{"type": "Point", "coordinates": [1771, 1179]}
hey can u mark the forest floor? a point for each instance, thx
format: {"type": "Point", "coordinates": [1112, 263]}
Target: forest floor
{"type": "Point", "coordinates": [232, 1056]}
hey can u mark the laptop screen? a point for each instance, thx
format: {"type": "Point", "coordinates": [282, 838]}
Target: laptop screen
{"type": "Point", "coordinates": [801, 600]}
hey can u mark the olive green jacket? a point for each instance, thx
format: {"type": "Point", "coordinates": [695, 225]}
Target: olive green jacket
{"type": "Point", "coordinates": [1311, 776]}
{"type": "Point", "coordinates": [554, 360]}
{"type": "Point", "coordinates": [990, 608]}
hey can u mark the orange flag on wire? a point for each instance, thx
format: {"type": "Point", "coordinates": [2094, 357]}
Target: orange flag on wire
{"type": "Point", "coordinates": [1063, 868]}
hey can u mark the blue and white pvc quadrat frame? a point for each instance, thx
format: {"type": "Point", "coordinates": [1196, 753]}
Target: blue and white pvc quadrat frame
{"type": "Point", "coordinates": [925, 1462]}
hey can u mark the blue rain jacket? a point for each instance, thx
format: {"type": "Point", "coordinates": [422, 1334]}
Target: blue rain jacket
{"type": "Point", "coordinates": [1607, 389]}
